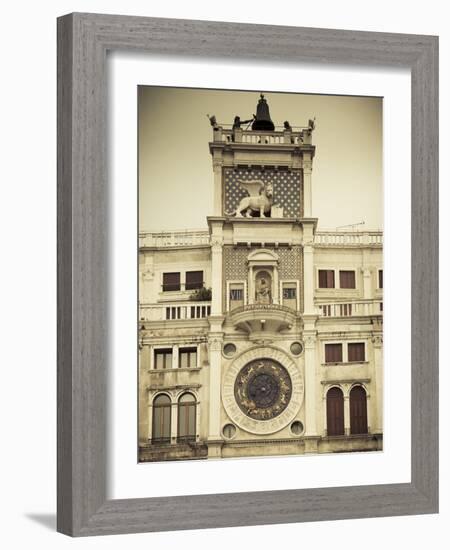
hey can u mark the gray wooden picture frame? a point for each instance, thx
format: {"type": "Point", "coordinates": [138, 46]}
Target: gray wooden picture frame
{"type": "Point", "coordinates": [83, 244]}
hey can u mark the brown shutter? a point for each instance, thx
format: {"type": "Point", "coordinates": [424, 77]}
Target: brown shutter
{"type": "Point", "coordinates": [347, 279]}
{"type": "Point", "coordinates": [171, 281]}
{"type": "Point", "coordinates": [380, 278]}
{"type": "Point", "coordinates": [194, 280]}
{"type": "Point", "coordinates": [358, 411]}
{"type": "Point", "coordinates": [326, 278]}
{"type": "Point", "coordinates": [335, 412]}
{"type": "Point", "coordinates": [356, 352]}
{"type": "Point", "coordinates": [333, 353]}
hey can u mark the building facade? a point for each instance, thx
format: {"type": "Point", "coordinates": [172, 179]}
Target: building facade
{"type": "Point", "coordinates": [261, 335]}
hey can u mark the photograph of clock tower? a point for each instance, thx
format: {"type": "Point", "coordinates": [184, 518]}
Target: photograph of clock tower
{"type": "Point", "coordinates": [260, 327]}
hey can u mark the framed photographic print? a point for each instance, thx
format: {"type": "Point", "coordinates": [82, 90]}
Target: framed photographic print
{"type": "Point", "coordinates": [231, 273]}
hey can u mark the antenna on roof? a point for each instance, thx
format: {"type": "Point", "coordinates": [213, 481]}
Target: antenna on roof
{"type": "Point", "coordinates": [351, 225]}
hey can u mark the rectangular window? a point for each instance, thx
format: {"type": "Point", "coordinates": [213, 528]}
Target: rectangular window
{"type": "Point", "coordinates": [356, 352]}
{"type": "Point", "coordinates": [171, 281]}
{"type": "Point", "coordinates": [163, 358]}
{"type": "Point", "coordinates": [326, 278]}
{"type": "Point", "coordinates": [380, 278]}
{"type": "Point", "coordinates": [333, 353]}
{"type": "Point", "coordinates": [347, 279]}
{"type": "Point", "coordinates": [194, 280]}
{"type": "Point", "coordinates": [187, 358]}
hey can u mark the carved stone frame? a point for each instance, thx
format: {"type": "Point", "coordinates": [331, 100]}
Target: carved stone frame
{"type": "Point", "coordinates": [83, 214]}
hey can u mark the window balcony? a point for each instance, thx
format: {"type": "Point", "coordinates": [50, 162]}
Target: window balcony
{"type": "Point", "coordinates": [257, 319]}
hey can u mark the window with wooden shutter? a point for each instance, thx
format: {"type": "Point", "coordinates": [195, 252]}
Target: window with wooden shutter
{"type": "Point", "coordinates": [161, 423]}
{"type": "Point", "coordinates": [187, 358]}
{"type": "Point", "coordinates": [163, 358]}
{"type": "Point", "coordinates": [380, 278]}
{"type": "Point", "coordinates": [194, 280]}
{"type": "Point", "coordinates": [356, 351]}
{"type": "Point", "coordinates": [333, 353]}
{"type": "Point", "coordinates": [326, 278]}
{"type": "Point", "coordinates": [171, 281]}
{"type": "Point", "coordinates": [358, 410]}
{"type": "Point", "coordinates": [187, 418]}
{"type": "Point", "coordinates": [347, 279]}
{"type": "Point", "coordinates": [335, 412]}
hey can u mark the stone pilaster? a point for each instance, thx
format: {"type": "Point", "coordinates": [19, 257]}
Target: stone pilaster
{"type": "Point", "coordinates": [307, 191]}
{"type": "Point", "coordinates": [347, 414]}
{"type": "Point", "coordinates": [367, 283]}
{"type": "Point", "coordinates": [215, 342]}
{"type": "Point", "coordinates": [310, 385]}
{"type": "Point", "coordinates": [377, 422]}
{"type": "Point", "coordinates": [217, 207]}
{"type": "Point", "coordinates": [308, 270]}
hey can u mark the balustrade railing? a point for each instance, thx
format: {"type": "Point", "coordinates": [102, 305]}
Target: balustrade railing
{"type": "Point", "coordinates": [351, 309]}
{"type": "Point", "coordinates": [162, 239]}
{"type": "Point", "coordinates": [174, 311]}
{"type": "Point", "coordinates": [348, 238]}
{"type": "Point", "coordinates": [255, 137]}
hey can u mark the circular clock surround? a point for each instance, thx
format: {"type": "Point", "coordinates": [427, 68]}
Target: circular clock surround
{"type": "Point", "coordinates": [263, 390]}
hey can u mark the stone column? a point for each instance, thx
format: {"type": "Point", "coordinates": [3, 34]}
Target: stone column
{"type": "Point", "coordinates": [215, 367]}
{"type": "Point", "coordinates": [369, 413]}
{"type": "Point", "coordinates": [310, 385]}
{"type": "Point", "coordinates": [307, 191]}
{"type": "Point", "coordinates": [173, 422]}
{"type": "Point", "coordinates": [367, 283]}
{"type": "Point", "coordinates": [216, 271]}
{"type": "Point", "coordinates": [308, 270]}
{"type": "Point", "coordinates": [347, 414]}
{"type": "Point", "coordinates": [251, 286]}
{"type": "Point", "coordinates": [144, 366]}
{"type": "Point", "coordinates": [324, 413]}
{"type": "Point", "coordinates": [377, 342]}
{"type": "Point", "coordinates": [150, 416]}
{"type": "Point", "coordinates": [175, 362]}
{"type": "Point", "coordinates": [276, 286]}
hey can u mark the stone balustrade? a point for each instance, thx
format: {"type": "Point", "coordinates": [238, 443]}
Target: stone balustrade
{"type": "Point", "coordinates": [348, 238]}
{"type": "Point", "coordinates": [201, 237]}
{"type": "Point", "coordinates": [175, 311]}
{"type": "Point", "coordinates": [167, 239]}
{"type": "Point", "coordinates": [351, 309]}
{"type": "Point", "coordinates": [253, 137]}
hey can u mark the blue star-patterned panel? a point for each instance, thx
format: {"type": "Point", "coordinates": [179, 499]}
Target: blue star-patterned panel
{"type": "Point", "coordinates": [286, 188]}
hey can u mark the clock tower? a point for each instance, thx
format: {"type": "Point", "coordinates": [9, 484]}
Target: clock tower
{"type": "Point", "coordinates": [262, 273]}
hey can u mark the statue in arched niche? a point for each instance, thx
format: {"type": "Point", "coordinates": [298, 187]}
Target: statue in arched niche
{"type": "Point", "coordinates": [263, 288]}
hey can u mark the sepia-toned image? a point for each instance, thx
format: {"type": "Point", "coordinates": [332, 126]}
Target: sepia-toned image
{"type": "Point", "coordinates": [260, 329]}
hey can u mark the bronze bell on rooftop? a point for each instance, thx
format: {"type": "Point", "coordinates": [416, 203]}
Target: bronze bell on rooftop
{"type": "Point", "coordinates": [263, 122]}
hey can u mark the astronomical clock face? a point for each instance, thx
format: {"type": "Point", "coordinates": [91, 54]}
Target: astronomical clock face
{"type": "Point", "coordinates": [263, 389]}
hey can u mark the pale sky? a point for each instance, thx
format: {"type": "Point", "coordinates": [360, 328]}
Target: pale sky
{"type": "Point", "coordinates": [175, 167]}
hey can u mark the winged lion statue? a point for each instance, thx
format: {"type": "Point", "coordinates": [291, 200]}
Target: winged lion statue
{"type": "Point", "coordinates": [259, 201]}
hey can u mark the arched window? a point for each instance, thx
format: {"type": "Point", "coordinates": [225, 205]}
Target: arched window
{"type": "Point", "coordinates": [358, 410]}
{"type": "Point", "coordinates": [187, 413]}
{"type": "Point", "coordinates": [161, 425]}
{"type": "Point", "coordinates": [335, 412]}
